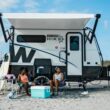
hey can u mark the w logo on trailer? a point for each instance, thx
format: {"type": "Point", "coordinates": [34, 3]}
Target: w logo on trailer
{"type": "Point", "coordinates": [21, 53]}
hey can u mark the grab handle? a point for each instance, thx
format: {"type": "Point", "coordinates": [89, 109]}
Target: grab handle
{"type": "Point", "coordinates": [60, 58]}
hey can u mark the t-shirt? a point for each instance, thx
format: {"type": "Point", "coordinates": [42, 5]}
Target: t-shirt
{"type": "Point", "coordinates": [58, 76]}
{"type": "Point", "coordinates": [24, 78]}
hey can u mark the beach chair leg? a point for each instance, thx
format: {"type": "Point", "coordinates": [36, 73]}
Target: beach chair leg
{"type": "Point", "coordinates": [84, 86]}
{"type": "Point", "coordinates": [85, 92]}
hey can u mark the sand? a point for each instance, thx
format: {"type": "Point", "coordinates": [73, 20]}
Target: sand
{"type": "Point", "coordinates": [97, 99]}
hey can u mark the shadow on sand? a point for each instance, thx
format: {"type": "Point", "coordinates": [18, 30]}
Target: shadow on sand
{"type": "Point", "coordinates": [76, 93]}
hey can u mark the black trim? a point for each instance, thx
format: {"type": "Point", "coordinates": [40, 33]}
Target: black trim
{"type": "Point", "coordinates": [44, 66]}
{"type": "Point", "coordinates": [15, 69]}
{"type": "Point", "coordinates": [84, 40]}
{"type": "Point", "coordinates": [12, 31]}
{"type": "Point", "coordinates": [91, 72]}
{"type": "Point", "coordinates": [42, 61]}
{"type": "Point", "coordinates": [76, 41]}
{"type": "Point", "coordinates": [75, 78]}
{"type": "Point", "coordinates": [82, 43]}
{"type": "Point", "coordinates": [31, 38]}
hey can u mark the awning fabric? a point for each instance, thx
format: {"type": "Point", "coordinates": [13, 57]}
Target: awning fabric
{"type": "Point", "coordinates": [48, 20]}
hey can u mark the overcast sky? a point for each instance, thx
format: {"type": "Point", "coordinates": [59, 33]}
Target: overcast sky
{"type": "Point", "coordinates": [65, 6]}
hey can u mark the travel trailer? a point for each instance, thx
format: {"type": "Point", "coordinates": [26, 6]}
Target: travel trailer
{"type": "Point", "coordinates": [43, 41]}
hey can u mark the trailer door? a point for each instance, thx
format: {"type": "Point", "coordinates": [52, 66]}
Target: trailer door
{"type": "Point", "coordinates": [74, 54]}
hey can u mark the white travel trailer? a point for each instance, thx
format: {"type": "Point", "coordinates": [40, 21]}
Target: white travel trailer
{"type": "Point", "coordinates": [41, 42]}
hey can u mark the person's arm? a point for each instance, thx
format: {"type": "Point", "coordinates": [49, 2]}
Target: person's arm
{"type": "Point", "coordinates": [27, 78]}
{"type": "Point", "coordinates": [54, 77]}
{"type": "Point", "coordinates": [18, 79]}
{"type": "Point", "coordinates": [62, 76]}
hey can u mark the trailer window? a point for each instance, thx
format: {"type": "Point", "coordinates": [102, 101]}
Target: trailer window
{"type": "Point", "coordinates": [74, 43]}
{"type": "Point", "coordinates": [31, 38]}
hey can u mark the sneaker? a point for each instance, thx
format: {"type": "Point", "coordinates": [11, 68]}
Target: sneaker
{"type": "Point", "coordinates": [84, 93]}
{"type": "Point", "coordinates": [52, 94]}
{"type": "Point", "coordinates": [28, 94]}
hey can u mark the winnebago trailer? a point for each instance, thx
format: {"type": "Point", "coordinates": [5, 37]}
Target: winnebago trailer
{"type": "Point", "coordinates": [46, 41]}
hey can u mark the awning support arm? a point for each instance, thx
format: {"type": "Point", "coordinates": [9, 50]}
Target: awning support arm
{"type": "Point", "coordinates": [95, 26]}
{"type": "Point", "coordinates": [3, 29]}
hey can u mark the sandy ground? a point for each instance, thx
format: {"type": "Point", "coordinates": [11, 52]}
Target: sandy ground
{"type": "Point", "coordinates": [97, 99]}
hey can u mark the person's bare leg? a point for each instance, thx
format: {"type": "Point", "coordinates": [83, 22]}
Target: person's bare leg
{"type": "Point", "coordinates": [26, 87]}
{"type": "Point", "coordinates": [51, 86]}
{"type": "Point", "coordinates": [56, 85]}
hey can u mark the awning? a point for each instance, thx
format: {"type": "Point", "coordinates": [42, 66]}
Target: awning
{"type": "Point", "coordinates": [48, 20]}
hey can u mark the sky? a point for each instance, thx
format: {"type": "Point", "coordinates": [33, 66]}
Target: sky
{"type": "Point", "coordinates": [65, 6]}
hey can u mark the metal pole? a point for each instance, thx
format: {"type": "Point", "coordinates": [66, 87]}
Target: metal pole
{"type": "Point", "coordinates": [3, 29]}
{"type": "Point", "coordinates": [95, 25]}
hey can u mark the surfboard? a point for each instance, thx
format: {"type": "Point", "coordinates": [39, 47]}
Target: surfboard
{"type": "Point", "coordinates": [4, 70]}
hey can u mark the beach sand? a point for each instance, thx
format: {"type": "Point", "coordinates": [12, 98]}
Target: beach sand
{"type": "Point", "coordinates": [97, 99]}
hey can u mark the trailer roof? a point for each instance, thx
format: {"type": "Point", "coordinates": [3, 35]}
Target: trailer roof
{"type": "Point", "coordinates": [48, 20]}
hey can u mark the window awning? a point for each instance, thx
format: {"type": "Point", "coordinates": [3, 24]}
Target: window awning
{"type": "Point", "coordinates": [48, 20]}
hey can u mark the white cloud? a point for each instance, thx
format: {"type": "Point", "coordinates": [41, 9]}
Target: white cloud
{"type": "Point", "coordinates": [19, 5]}
{"type": "Point", "coordinates": [31, 5]}
{"type": "Point", "coordinates": [5, 4]}
{"type": "Point", "coordinates": [62, 6]}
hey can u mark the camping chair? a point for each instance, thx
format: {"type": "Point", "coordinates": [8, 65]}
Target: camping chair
{"type": "Point", "coordinates": [20, 87]}
{"type": "Point", "coordinates": [9, 81]}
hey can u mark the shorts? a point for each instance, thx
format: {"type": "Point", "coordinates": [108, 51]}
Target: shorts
{"type": "Point", "coordinates": [62, 83]}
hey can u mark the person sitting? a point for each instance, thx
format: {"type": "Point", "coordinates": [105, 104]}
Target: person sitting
{"type": "Point", "coordinates": [23, 79]}
{"type": "Point", "coordinates": [31, 76]}
{"type": "Point", "coordinates": [58, 80]}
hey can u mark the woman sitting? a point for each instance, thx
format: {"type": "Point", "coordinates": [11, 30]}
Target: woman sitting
{"type": "Point", "coordinates": [23, 79]}
{"type": "Point", "coordinates": [58, 80]}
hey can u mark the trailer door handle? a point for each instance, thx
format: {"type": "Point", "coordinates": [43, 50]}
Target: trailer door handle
{"type": "Point", "coordinates": [60, 58]}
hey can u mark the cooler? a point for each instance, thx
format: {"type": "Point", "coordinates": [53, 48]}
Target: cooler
{"type": "Point", "coordinates": [40, 91]}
